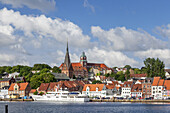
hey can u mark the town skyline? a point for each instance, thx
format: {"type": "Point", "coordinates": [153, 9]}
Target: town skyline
{"type": "Point", "coordinates": [115, 33]}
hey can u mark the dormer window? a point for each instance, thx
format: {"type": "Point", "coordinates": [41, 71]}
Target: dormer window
{"type": "Point", "coordinates": [87, 89]}
{"type": "Point", "coordinates": [97, 88]}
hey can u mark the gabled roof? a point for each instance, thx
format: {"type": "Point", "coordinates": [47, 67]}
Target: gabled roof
{"type": "Point", "coordinates": [52, 85]}
{"type": "Point", "coordinates": [33, 90]}
{"type": "Point", "coordinates": [44, 86]}
{"type": "Point", "coordinates": [22, 86]}
{"type": "Point", "coordinates": [161, 82]}
{"type": "Point", "coordinates": [110, 86]}
{"type": "Point", "coordinates": [136, 88]}
{"type": "Point", "coordinates": [93, 87]}
{"type": "Point", "coordinates": [138, 75]}
{"type": "Point", "coordinates": [127, 84]}
{"type": "Point", "coordinates": [156, 81]}
{"type": "Point", "coordinates": [167, 84]}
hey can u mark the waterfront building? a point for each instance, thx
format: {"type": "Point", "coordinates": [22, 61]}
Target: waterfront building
{"type": "Point", "coordinates": [21, 89]}
{"type": "Point", "coordinates": [43, 88]}
{"type": "Point", "coordinates": [93, 90]}
{"type": "Point", "coordinates": [147, 88]}
{"type": "Point", "coordinates": [126, 89]}
{"type": "Point", "coordinates": [6, 82]}
{"type": "Point", "coordinates": [157, 86]}
{"type": "Point", "coordinates": [136, 90]}
{"type": "Point", "coordinates": [166, 90]}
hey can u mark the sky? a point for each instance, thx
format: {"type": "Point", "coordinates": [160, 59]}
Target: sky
{"type": "Point", "coordinates": [114, 32]}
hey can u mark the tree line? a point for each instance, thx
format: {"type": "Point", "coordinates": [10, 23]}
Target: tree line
{"type": "Point", "coordinates": [42, 75]}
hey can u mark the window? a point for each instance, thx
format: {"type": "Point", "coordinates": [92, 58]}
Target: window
{"type": "Point", "coordinates": [97, 88]}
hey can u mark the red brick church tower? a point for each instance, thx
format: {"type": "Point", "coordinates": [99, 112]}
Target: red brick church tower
{"type": "Point", "coordinates": [67, 67]}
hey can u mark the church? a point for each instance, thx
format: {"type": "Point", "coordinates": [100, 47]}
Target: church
{"type": "Point", "coordinates": [79, 69]}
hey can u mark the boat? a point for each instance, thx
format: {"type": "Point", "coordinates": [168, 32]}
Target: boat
{"type": "Point", "coordinates": [61, 96]}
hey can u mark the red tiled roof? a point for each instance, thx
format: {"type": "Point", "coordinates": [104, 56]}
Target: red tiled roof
{"type": "Point", "coordinates": [76, 64]}
{"type": "Point", "coordinates": [167, 84]}
{"type": "Point", "coordinates": [33, 90]}
{"type": "Point", "coordinates": [52, 85]}
{"type": "Point", "coordinates": [127, 84]}
{"type": "Point", "coordinates": [138, 75]}
{"type": "Point", "coordinates": [93, 87]}
{"type": "Point", "coordinates": [155, 81]}
{"type": "Point", "coordinates": [136, 88]}
{"type": "Point", "coordinates": [43, 86]}
{"type": "Point", "coordinates": [22, 86]}
{"type": "Point", "coordinates": [110, 86]}
{"type": "Point", "coordinates": [161, 82]}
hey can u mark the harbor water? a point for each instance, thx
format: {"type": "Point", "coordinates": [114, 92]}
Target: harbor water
{"type": "Point", "coordinates": [87, 107]}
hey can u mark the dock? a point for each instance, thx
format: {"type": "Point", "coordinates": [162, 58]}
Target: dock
{"type": "Point", "coordinates": [11, 99]}
{"type": "Point", "coordinates": [124, 100]}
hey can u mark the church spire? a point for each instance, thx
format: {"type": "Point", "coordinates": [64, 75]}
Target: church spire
{"type": "Point", "coordinates": [67, 57]}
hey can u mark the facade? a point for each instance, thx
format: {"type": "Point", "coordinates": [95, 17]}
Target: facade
{"type": "Point", "coordinates": [147, 88]}
{"type": "Point", "coordinates": [126, 89]}
{"type": "Point", "coordinates": [21, 89]}
{"type": "Point", "coordinates": [136, 91]}
{"type": "Point", "coordinates": [94, 90]}
{"type": "Point", "coordinates": [157, 88]}
{"type": "Point", "coordinates": [6, 82]}
{"type": "Point", "coordinates": [166, 90]}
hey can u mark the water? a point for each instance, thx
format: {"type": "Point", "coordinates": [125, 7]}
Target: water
{"type": "Point", "coordinates": [89, 107]}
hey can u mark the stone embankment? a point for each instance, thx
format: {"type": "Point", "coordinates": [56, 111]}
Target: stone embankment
{"type": "Point", "coordinates": [112, 100]}
{"type": "Point", "coordinates": [16, 99]}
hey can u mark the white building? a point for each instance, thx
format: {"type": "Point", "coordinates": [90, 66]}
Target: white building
{"type": "Point", "coordinates": [126, 89]}
{"type": "Point", "coordinates": [94, 90]}
{"type": "Point", "coordinates": [157, 88]}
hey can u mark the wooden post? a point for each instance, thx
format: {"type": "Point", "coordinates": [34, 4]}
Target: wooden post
{"type": "Point", "coordinates": [6, 108]}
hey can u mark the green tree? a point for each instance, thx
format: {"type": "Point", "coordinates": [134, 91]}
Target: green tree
{"type": "Point", "coordinates": [127, 74]}
{"type": "Point", "coordinates": [128, 67]}
{"type": "Point", "coordinates": [56, 69]}
{"type": "Point", "coordinates": [120, 76]}
{"type": "Point", "coordinates": [40, 66]}
{"type": "Point", "coordinates": [96, 81]}
{"type": "Point", "coordinates": [42, 77]}
{"type": "Point", "coordinates": [154, 67]}
{"type": "Point", "coordinates": [35, 93]}
{"type": "Point", "coordinates": [137, 71]}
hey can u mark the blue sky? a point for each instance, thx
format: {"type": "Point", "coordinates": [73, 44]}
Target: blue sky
{"type": "Point", "coordinates": [114, 32]}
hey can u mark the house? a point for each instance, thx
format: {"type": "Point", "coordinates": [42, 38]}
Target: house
{"type": "Point", "coordinates": [4, 92]}
{"type": "Point", "coordinates": [138, 76]}
{"type": "Point", "coordinates": [6, 82]}
{"type": "Point", "coordinates": [43, 88]}
{"type": "Point", "coordinates": [14, 75]}
{"type": "Point", "coordinates": [93, 90]}
{"type": "Point", "coordinates": [147, 88]}
{"type": "Point", "coordinates": [20, 79]}
{"type": "Point", "coordinates": [167, 73]}
{"type": "Point", "coordinates": [166, 93]}
{"type": "Point", "coordinates": [157, 87]}
{"type": "Point", "coordinates": [110, 89]}
{"type": "Point", "coordinates": [136, 90]}
{"type": "Point", "coordinates": [126, 89]}
{"type": "Point", "coordinates": [21, 89]}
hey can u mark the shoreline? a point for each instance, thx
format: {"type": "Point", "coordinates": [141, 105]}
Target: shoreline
{"type": "Point", "coordinates": [10, 99]}
{"type": "Point", "coordinates": [110, 100]}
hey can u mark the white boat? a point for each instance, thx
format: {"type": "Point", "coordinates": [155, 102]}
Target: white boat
{"type": "Point", "coordinates": [63, 96]}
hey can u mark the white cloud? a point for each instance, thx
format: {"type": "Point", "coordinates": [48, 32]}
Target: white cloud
{"type": "Point", "coordinates": [162, 54]}
{"type": "Point", "coordinates": [87, 5]}
{"type": "Point", "coordinates": [123, 39]}
{"type": "Point", "coordinates": [43, 5]}
{"type": "Point", "coordinates": [111, 58]}
{"type": "Point", "coordinates": [164, 31]}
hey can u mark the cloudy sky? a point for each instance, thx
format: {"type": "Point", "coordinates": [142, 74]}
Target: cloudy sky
{"type": "Point", "coordinates": [114, 32]}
